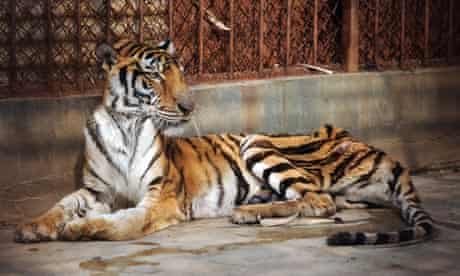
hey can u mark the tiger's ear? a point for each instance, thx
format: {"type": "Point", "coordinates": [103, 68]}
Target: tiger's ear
{"type": "Point", "coordinates": [107, 55]}
{"type": "Point", "coordinates": [168, 46]}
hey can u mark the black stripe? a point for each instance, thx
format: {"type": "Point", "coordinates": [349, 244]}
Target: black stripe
{"type": "Point", "coordinates": [94, 133]}
{"type": "Point", "coordinates": [382, 238]}
{"type": "Point", "coordinates": [133, 49]}
{"type": "Point", "coordinates": [365, 178]}
{"type": "Point", "coordinates": [135, 75]}
{"type": "Point", "coordinates": [225, 142]}
{"type": "Point", "coordinates": [342, 134]}
{"type": "Point", "coordinates": [406, 235]}
{"type": "Point", "coordinates": [360, 238]}
{"type": "Point", "coordinates": [211, 143]}
{"type": "Point", "coordinates": [154, 139]}
{"type": "Point", "coordinates": [235, 141]}
{"type": "Point", "coordinates": [194, 148]}
{"type": "Point", "coordinates": [93, 192]}
{"type": "Point", "coordinates": [397, 171]}
{"type": "Point", "coordinates": [305, 148]}
{"type": "Point", "coordinates": [361, 159]}
{"type": "Point", "coordinates": [286, 183]}
{"type": "Point", "coordinates": [329, 130]}
{"type": "Point", "coordinates": [113, 105]}
{"type": "Point", "coordinates": [157, 180]}
{"type": "Point", "coordinates": [243, 186]}
{"type": "Point", "coordinates": [150, 164]}
{"type": "Point", "coordinates": [262, 144]}
{"type": "Point", "coordinates": [428, 227]}
{"type": "Point", "coordinates": [339, 171]}
{"type": "Point", "coordinates": [410, 190]}
{"type": "Point", "coordinates": [258, 157]}
{"type": "Point", "coordinates": [95, 175]}
{"type": "Point", "coordinates": [122, 75]}
{"type": "Point", "coordinates": [219, 180]}
{"type": "Point", "coordinates": [120, 129]}
{"type": "Point", "coordinates": [276, 169]}
{"type": "Point", "coordinates": [122, 46]}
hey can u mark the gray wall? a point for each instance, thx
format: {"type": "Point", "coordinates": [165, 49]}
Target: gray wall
{"type": "Point", "coordinates": [412, 115]}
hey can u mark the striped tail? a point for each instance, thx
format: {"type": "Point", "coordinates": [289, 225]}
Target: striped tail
{"type": "Point", "coordinates": [421, 226]}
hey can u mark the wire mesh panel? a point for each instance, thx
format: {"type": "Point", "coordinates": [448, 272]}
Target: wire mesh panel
{"type": "Point", "coordinates": [329, 32]}
{"type": "Point", "coordinates": [414, 33]}
{"type": "Point", "coordinates": [367, 22]}
{"type": "Point", "coordinates": [302, 32]}
{"type": "Point", "coordinates": [388, 34]}
{"type": "Point", "coordinates": [185, 29]}
{"type": "Point", "coordinates": [47, 47]}
{"type": "Point", "coordinates": [438, 30]}
{"type": "Point", "coordinates": [246, 25]}
{"type": "Point", "coordinates": [216, 46]}
{"type": "Point", "coordinates": [456, 30]}
{"type": "Point", "coordinates": [4, 48]}
{"type": "Point", "coordinates": [274, 33]}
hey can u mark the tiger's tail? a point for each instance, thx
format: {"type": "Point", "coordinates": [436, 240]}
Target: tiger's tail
{"type": "Point", "coordinates": [421, 225]}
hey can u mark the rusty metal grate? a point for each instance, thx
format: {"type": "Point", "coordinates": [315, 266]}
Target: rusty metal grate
{"type": "Point", "coordinates": [47, 46]}
{"type": "Point", "coordinates": [401, 33]}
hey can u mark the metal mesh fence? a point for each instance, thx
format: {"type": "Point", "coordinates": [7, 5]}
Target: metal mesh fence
{"type": "Point", "coordinates": [47, 46]}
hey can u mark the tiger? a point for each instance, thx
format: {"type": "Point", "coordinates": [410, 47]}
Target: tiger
{"type": "Point", "coordinates": [137, 179]}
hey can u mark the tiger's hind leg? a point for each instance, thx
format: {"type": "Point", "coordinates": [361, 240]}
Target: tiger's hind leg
{"type": "Point", "coordinates": [49, 226]}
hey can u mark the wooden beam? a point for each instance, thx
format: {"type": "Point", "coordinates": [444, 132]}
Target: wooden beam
{"type": "Point", "coordinates": [350, 36]}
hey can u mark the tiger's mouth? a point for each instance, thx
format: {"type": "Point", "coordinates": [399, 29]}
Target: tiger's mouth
{"type": "Point", "coordinates": [166, 119]}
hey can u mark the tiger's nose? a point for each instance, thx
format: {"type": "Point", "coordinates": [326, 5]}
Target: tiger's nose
{"type": "Point", "coordinates": [186, 107]}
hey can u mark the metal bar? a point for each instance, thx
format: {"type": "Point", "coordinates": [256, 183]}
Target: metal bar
{"type": "Point", "coordinates": [171, 19]}
{"type": "Point", "coordinates": [376, 30]}
{"type": "Point", "coordinates": [78, 48]}
{"type": "Point", "coordinates": [450, 51]}
{"type": "Point", "coordinates": [12, 65]}
{"type": "Point", "coordinates": [200, 38]}
{"type": "Point", "coordinates": [261, 34]}
{"type": "Point", "coordinates": [232, 21]}
{"type": "Point", "coordinates": [427, 31]}
{"type": "Point", "coordinates": [403, 33]}
{"type": "Point", "coordinates": [141, 20]}
{"type": "Point", "coordinates": [288, 33]}
{"type": "Point", "coordinates": [350, 37]}
{"type": "Point", "coordinates": [315, 32]}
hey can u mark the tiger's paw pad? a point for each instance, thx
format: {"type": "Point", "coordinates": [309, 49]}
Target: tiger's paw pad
{"type": "Point", "coordinates": [35, 231]}
{"type": "Point", "coordinates": [240, 216]}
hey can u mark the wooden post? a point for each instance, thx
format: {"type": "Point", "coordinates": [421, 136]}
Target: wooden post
{"type": "Point", "coordinates": [231, 50]}
{"type": "Point", "coordinates": [200, 38]}
{"type": "Point", "coordinates": [450, 52]}
{"type": "Point", "coordinates": [350, 35]}
{"type": "Point", "coordinates": [171, 19]}
{"type": "Point", "coordinates": [426, 54]}
{"type": "Point", "coordinates": [315, 32]}
{"type": "Point", "coordinates": [402, 60]}
{"type": "Point", "coordinates": [140, 15]}
{"type": "Point", "coordinates": [288, 33]}
{"type": "Point", "coordinates": [261, 35]}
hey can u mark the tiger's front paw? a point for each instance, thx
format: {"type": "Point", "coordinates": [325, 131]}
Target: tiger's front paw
{"type": "Point", "coordinates": [43, 228]}
{"type": "Point", "coordinates": [36, 231]}
{"type": "Point", "coordinates": [244, 216]}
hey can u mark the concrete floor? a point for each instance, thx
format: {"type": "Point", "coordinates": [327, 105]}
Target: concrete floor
{"type": "Point", "coordinates": [216, 247]}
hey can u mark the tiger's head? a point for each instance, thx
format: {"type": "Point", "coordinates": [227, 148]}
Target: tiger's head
{"type": "Point", "coordinates": [146, 80]}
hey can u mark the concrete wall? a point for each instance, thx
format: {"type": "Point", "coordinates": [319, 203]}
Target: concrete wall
{"type": "Point", "coordinates": [412, 115]}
